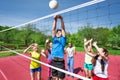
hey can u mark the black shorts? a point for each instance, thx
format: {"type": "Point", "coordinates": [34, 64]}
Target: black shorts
{"type": "Point", "coordinates": [58, 64]}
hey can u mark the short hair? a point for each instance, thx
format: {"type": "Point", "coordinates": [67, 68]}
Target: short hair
{"type": "Point", "coordinates": [70, 43]}
{"type": "Point", "coordinates": [58, 30]}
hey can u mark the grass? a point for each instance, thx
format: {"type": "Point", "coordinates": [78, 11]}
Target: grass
{"type": "Point", "coordinates": [114, 52]}
{"type": "Point", "coordinates": [8, 53]}
{"type": "Point", "coordinates": [110, 50]}
{"type": "Point", "coordinates": [80, 49]}
{"type": "Point", "coordinates": [5, 54]}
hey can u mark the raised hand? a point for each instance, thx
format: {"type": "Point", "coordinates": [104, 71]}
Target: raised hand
{"type": "Point", "coordinates": [47, 41]}
{"type": "Point", "coordinates": [55, 17]}
{"type": "Point", "coordinates": [60, 17]}
{"type": "Point", "coordinates": [95, 43]}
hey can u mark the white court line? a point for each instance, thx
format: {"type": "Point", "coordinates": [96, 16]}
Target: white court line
{"type": "Point", "coordinates": [3, 75]}
{"type": "Point", "coordinates": [57, 13]}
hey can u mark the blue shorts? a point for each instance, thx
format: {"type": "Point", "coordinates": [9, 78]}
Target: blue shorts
{"type": "Point", "coordinates": [88, 66]}
{"type": "Point", "coordinates": [35, 70]}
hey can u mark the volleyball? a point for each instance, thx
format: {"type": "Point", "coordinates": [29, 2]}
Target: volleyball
{"type": "Point", "coordinates": [53, 4]}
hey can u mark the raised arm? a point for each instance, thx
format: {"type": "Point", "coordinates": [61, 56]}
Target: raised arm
{"type": "Point", "coordinates": [47, 44]}
{"type": "Point", "coordinates": [54, 26]}
{"type": "Point", "coordinates": [25, 51]}
{"type": "Point", "coordinates": [96, 46]}
{"type": "Point", "coordinates": [86, 43]}
{"type": "Point", "coordinates": [90, 43]}
{"type": "Point", "coordinates": [101, 52]}
{"type": "Point", "coordinates": [105, 57]}
{"type": "Point", "coordinates": [43, 53]}
{"type": "Point", "coordinates": [62, 25]}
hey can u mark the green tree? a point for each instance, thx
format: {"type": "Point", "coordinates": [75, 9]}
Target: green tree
{"type": "Point", "coordinates": [26, 32]}
{"type": "Point", "coordinates": [102, 35]}
{"type": "Point", "coordinates": [86, 32]}
{"type": "Point", "coordinates": [115, 40]}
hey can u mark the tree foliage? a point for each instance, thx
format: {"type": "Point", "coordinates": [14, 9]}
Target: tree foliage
{"type": "Point", "coordinates": [31, 34]}
{"type": "Point", "coordinates": [25, 36]}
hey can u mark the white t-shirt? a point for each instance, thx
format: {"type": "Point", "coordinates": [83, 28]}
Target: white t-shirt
{"type": "Point", "coordinates": [98, 71]}
{"type": "Point", "coordinates": [88, 59]}
{"type": "Point", "coordinates": [70, 51]}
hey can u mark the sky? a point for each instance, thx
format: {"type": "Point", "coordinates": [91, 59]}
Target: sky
{"type": "Point", "coordinates": [16, 12]}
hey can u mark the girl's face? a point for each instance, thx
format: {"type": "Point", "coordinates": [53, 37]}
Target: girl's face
{"type": "Point", "coordinates": [103, 51]}
{"type": "Point", "coordinates": [42, 51]}
{"type": "Point", "coordinates": [50, 45]}
{"type": "Point", "coordinates": [35, 47]}
{"type": "Point", "coordinates": [89, 48]}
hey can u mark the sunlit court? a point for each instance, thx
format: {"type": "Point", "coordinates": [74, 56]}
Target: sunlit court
{"type": "Point", "coordinates": [60, 40]}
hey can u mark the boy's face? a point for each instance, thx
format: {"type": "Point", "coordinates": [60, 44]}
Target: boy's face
{"type": "Point", "coordinates": [59, 34]}
{"type": "Point", "coordinates": [69, 44]}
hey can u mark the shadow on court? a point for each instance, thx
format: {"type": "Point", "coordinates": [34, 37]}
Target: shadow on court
{"type": "Point", "coordinates": [77, 70]}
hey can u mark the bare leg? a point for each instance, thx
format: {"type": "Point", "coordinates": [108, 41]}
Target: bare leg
{"type": "Point", "coordinates": [39, 75]}
{"type": "Point", "coordinates": [55, 78]}
{"type": "Point", "coordinates": [89, 74]}
{"type": "Point", "coordinates": [86, 72]}
{"type": "Point", "coordinates": [32, 76]}
{"type": "Point", "coordinates": [60, 79]}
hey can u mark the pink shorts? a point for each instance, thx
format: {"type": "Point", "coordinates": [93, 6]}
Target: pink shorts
{"type": "Point", "coordinates": [99, 78]}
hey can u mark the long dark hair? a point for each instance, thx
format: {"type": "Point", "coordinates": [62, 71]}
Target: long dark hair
{"type": "Point", "coordinates": [102, 60]}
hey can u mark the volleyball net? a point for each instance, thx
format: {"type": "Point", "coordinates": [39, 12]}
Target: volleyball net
{"type": "Point", "coordinates": [84, 20]}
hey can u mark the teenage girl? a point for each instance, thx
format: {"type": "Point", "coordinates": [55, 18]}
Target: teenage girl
{"type": "Point", "coordinates": [35, 67]}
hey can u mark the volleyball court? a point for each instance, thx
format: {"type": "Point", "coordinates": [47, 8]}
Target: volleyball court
{"type": "Point", "coordinates": [75, 18]}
